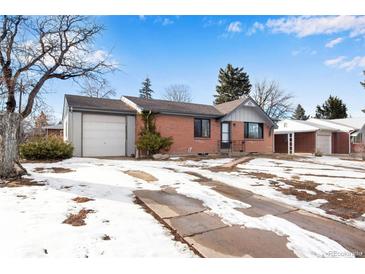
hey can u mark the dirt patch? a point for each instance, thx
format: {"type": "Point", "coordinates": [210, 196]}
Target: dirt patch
{"type": "Point", "coordinates": [80, 200]}
{"type": "Point", "coordinates": [332, 176]}
{"type": "Point", "coordinates": [260, 175]}
{"type": "Point", "coordinates": [21, 182]}
{"type": "Point", "coordinates": [343, 203]}
{"type": "Point", "coordinates": [79, 218]}
{"type": "Point", "coordinates": [141, 175]}
{"type": "Point", "coordinates": [222, 169]}
{"type": "Point", "coordinates": [106, 238]}
{"type": "Point", "coordinates": [53, 170]}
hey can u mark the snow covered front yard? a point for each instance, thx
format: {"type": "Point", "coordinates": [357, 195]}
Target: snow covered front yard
{"type": "Point", "coordinates": [57, 220]}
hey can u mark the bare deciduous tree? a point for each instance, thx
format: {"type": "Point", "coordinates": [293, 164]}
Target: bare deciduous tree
{"type": "Point", "coordinates": [97, 89]}
{"type": "Point", "coordinates": [272, 99]}
{"type": "Point", "coordinates": [36, 50]}
{"type": "Point", "coordinates": [178, 93]}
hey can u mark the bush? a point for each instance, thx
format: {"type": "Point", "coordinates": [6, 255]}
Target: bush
{"type": "Point", "coordinates": [51, 148]}
{"type": "Point", "coordinates": [153, 142]}
{"type": "Point", "coordinates": [318, 154]}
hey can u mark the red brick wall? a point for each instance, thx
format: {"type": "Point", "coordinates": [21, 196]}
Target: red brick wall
{"type": "Point", "coordinates": [340, 142]}
{"type": "Point", "coordinates": [55, 132]}
{"type": "Point", "coordinates": [264, 145]}
{"type": "Point", "coordinates": [305, 142]}
{"type": "Point", "coordinates": [357, 148]}
{"type": "Point", "coordinates": [181, 129]}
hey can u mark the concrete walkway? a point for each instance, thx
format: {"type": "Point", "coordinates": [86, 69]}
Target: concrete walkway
{"type": "Point", "coordinates": [208, 236]}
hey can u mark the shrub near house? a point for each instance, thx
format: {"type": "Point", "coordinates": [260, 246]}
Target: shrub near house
{"type": "Point", "coordinates": [41, 148]}
{"type": "Point", "coordinates": [150, 141]}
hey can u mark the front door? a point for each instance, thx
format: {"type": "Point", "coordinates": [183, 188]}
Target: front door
{"type": "Point", "coordinates": [225, 135]}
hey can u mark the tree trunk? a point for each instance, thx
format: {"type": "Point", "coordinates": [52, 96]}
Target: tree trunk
{"type": "Point", "coordinates": [9, 141]}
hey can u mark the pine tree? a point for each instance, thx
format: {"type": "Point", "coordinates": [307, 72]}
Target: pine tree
{"type": "Point", "coordinates": [232, 84]}
{"type": "Point", "coordinates": [146, 91]}
{"type": "Point", "coordinates": [299, 113]}
{"type": "Point", "coordinates": [333, 108]}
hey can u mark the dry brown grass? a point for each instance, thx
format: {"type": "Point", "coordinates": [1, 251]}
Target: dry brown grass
{"type": "Point", "coordinates": [78, 219]}
{"type": "Point", "coordinates": [53, 170]}
{"type": "Point", "coordinates": [260, 175]}
{"type": "Point", "coordinates": [80, 200]}
{"type": "Point", "coordinates": [141, 175]}
{"type": "Point", "coordinates": [348, 204]}
{"type": "Point", "coordinates": [21, 182]}
{"type": "Point", "coordinates": [106, 237]}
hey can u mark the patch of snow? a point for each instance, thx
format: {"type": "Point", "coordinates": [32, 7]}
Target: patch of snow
{"type": "Point", "coordinates": [35, 214]}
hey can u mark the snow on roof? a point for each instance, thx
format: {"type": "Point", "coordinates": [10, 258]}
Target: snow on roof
{"type": "Point", "coordinates": [355, 122]}
{"type": "Point", "coordinates": [329, 125]}
{"type": "Point", "coordinates": [287, 126]}
{"type": "Point", "coordinates": [310, 125]}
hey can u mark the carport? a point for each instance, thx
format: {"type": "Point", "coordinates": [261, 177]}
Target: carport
{"type": "Point", "coordinates": [311, 136]}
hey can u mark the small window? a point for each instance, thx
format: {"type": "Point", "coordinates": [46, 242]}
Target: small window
{"type": "Point", "coordinates": [357, 138]}
{"type": "Point", "coordinates": [202, 128]}
{"type": "Point", "coordinates": [254, 130]}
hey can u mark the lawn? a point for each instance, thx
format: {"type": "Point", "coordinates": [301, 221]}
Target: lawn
{"type": "Point", "coordinates": [86, 208]}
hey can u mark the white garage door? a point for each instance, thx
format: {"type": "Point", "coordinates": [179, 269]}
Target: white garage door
{"type": "Point", "coordinates": [103, 135]}
{"type": "Point", "coordinates": [324, 143]}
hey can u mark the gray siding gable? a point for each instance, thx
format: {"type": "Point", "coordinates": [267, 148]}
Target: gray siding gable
{"type": "Point", "coordinates": [248, 111]}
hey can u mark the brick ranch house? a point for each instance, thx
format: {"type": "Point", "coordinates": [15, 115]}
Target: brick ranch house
{"type": "Point", "coordinates": [337, 136]}
{"type": "Point", "coordinates": [107, 127]}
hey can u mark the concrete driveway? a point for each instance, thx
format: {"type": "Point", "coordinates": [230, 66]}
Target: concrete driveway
{"type": "Point", "coordinates": [209, 236]}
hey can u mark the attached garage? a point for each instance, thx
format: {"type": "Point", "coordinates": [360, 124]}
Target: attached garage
{"type": "Point", "coordinates": [99, 127]}
{"type": "Point", "coordinates": [103, 135]}
{"type": "Point", "coordinates": [324, 142]}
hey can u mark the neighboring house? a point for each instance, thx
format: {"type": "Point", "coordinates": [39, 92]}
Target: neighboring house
{"type": "Point", "coordinates": [358, 134]}
{"type": "Point", "coordinates": [337, 136]}
{"type": "Point", "coordinates": [107, 127]}
{"type": "Point", "coordinates": [53, 130]}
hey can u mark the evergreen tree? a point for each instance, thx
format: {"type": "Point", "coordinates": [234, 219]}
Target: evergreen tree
{"type": "Point", "coordinates": [299, 113]}
{"type": "Point", "coordinates": [232, 84]}
{"type": "Point", "coordinates": [146, 90]}
{"type": "Point", "coordinates": [333, 108]}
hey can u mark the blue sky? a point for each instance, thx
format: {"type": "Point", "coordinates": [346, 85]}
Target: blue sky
{"type": "Point", "coordinates": [310, 57]}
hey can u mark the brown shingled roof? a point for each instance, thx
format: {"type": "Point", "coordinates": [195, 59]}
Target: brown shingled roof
{"type": "Point", "coordinates": [98, 104]}
{"type": "Point", "coordinates": [227, 107]}
{"type": "Point", "coordinates": [164, 106]}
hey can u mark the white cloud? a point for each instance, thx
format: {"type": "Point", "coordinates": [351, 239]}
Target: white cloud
{"type": "Point", "coordinates": [348, 64]}
{"type": "Point", "coordinates": [235, 27]}
{"type": "Point", "coordinates": [255, 27]}
{"type": "Point", "coordinates": [303, 26]}
{"type": "Point", "coordinates": [356, 62]}
{"type": "Point", "coordinates": [335, 61]}
{"type": "Point", "coordinates": [334, 42]}
{"type": "Point", "coordinates": [142, 17]}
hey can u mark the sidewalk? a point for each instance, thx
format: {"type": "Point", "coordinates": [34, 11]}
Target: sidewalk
{"type": "Point", "coordinates": [209, 237]}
